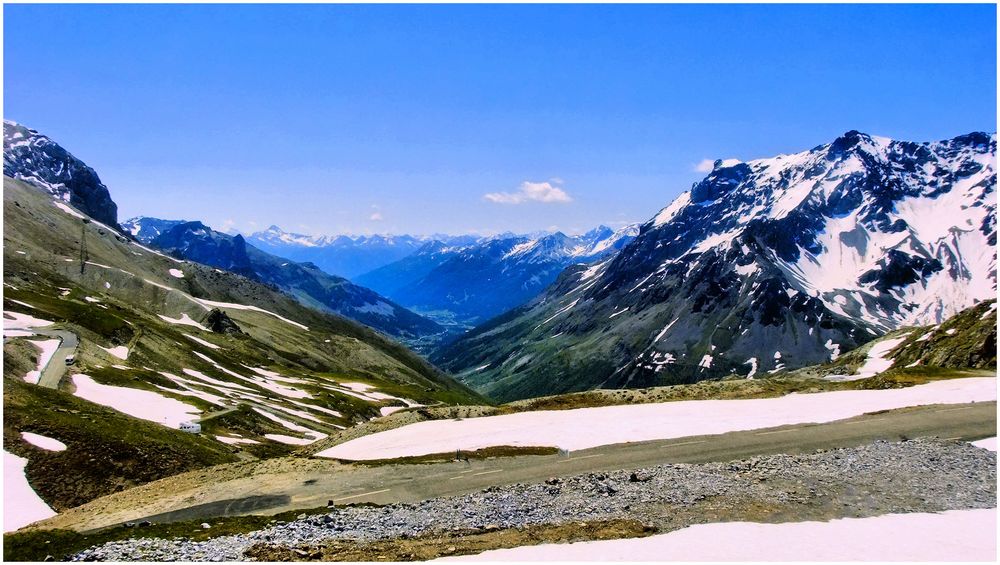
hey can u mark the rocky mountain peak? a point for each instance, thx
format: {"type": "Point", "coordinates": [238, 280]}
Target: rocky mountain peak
{"type": "Point", "coordinates": [32, 157]}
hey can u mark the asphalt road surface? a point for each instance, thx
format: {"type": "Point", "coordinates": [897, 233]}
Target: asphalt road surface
{"type": "Point", "coordinates": [413, 483]}
{"type": "Point", "coordinates": [53, 373]}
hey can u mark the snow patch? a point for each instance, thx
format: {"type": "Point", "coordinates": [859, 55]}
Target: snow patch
{"type": "Point", "coordinates": [120, 351]}
{"type": "Point", "coordinates": [207, 344]}
{"type": "Point", "coordinates": [591, 427]}
{"type": "Point", "coordinates": [137, 403]}
{"type": "Point", "coordinates": [43, 442]}
{"type": "Point", "coordinates": [21, 504]}
{"type": "Point", "coordinates": [950, 536]}
{"type": "Point", "coordinates": [989, 443]}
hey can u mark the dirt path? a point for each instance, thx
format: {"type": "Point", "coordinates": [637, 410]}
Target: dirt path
{"type": "Point", "coordinates": [310, 483]}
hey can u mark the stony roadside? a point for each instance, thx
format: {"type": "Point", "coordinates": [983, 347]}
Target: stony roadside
{"type": "Point", "coordinates": [924, 475]}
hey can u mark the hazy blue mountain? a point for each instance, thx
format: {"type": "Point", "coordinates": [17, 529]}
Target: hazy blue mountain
{"type": "Point", "coordinates": [306, 282]}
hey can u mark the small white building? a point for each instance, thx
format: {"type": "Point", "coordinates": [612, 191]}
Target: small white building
{"type": "Point", "coordinates": [191, 427]}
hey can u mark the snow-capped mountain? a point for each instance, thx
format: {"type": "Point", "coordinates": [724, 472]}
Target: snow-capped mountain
{"type": "Point", "coordinates": [146, 229]}
{"type": "Point", "coordinates": [306, 282]}
{"type": "Point", "coordinates": [464, 284]}
{"type": "Point", "coordinates": [767, 264]}
{"type": "Point", "coordinates": [346, 256]}
{"type": "Point", "coordinates": [34, 158]}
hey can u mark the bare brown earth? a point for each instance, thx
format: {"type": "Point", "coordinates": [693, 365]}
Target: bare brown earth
{"type": "Point", "coordinates": [459, 542]}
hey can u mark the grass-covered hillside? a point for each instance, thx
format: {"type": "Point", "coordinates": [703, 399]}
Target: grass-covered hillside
{"type": "Point", "coordinates": [162, 340]}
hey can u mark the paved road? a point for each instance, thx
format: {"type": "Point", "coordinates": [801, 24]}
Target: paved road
{"type": "Point", "coordinates": [413, 483]}
{"type": "Point", "coordinates": [53, 373]}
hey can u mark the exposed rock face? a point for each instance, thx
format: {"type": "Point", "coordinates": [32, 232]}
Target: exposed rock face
{"type": "Point", "coordinates": [34, 158]}
{"type": "Point", "coordinates": [220, 323]}
{"type": "Point", "coordinates": [763, 265]}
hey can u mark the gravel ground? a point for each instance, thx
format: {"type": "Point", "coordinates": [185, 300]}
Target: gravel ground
{"type": "Point", "coordinates": [915, 476]}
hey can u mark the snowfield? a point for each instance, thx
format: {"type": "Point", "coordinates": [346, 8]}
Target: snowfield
{"type": "Point", "coordinates": [21, 504]}
{"type": "Point", "coordinates": [590, 427]}
{"type": "Point", "coordinates": [134, 402]}
{"type": "Point", "coordinates": [955, 535]}
{"type": "Point", "coordinates": [184, 320]}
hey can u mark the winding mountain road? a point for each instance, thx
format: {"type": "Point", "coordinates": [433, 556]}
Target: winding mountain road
{"type": "Point", "coordinates": [53, 373]}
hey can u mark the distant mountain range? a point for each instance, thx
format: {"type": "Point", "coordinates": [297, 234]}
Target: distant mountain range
{"type": "Point", "coordinates": [465, 284]}
{"type": "Point", "coordinates": [342, 255]}
{"type": "Point", "coordinates": [763, 265]}
{"type": "Point", "coordinates": [305, 281]}
{"type": "Point", "coordinates": [458, 280]}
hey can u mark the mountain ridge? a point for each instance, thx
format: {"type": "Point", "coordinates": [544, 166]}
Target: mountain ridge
{"type": "Point", "coordinates": [763, 265]}
{"type": "Point", "coordinates": [197, 242]}
{"type": "Point", "coordinates": [35, 158]}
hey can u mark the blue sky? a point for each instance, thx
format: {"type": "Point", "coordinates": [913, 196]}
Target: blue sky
{"type": "Point", "coordinates": [402, 119]}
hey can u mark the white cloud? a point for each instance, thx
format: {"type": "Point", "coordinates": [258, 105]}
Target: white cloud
{"type": "Point", "coordinates": [705, 166]}
{"type": "Point", "coordinates": [376, 217]}
{"type": "Point", "coordinates": [545, 192]}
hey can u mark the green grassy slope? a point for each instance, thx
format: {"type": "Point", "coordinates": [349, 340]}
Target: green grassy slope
{"type": "Point", "coordinates": [304, 358]}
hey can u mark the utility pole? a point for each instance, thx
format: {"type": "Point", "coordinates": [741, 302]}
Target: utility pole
{"type": "Point", "coordinates": [83, 246]}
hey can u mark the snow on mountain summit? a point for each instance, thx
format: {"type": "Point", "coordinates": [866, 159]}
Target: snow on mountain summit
{"type": "Point", "coordinates": [800, 255]}
{"type": "Point", "coordinates": [34, 158]}
{"type": "Point", "coordinates": [910, 226]}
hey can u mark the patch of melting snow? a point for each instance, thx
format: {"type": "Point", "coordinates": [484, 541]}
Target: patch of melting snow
{"type": "Point", "coordinates": [235, 440]}
{"type": "Point", "coordinates": [875, 363]}
{"type": "Point", "coordinates": [184, 320]}
{"type": "Point", "coordinates": [47, 349]}
{"type": "Point", "coordinates": [43, 442]}
{"type": "Point", "coordinates": [120, 351]}
{"type": "Point", "coordinates": [203, 377]}
{"type": "Point", "coordinates": [215, 304]}
{"type": "Point", "coordinates": [176, 273]}
{"type": "Point", "coordinates": [834, 349]}
{"type": "Point", "coordinates": [21, 504]}
{"type": "Point", "coordinates": [207, 344]}
{"type": "Point", "coordinates": [68, 210]}
{"type": "Point", "coordinates": [989, 312]}
{"type": "Point", "coordinates": [591, 427]}
{"type": "Point", "coordinates": [950, 536]}
{"type": "Point", "coordinates": [989, 443]}
{"type": "Point", "coordinates": [291, 426]}
{"type": "Point", "coordinates": [143, 404]}
{"type": "Point", "coordinates": [18, 321]}
{"type": "Point", "coordinates": [290, 440]}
